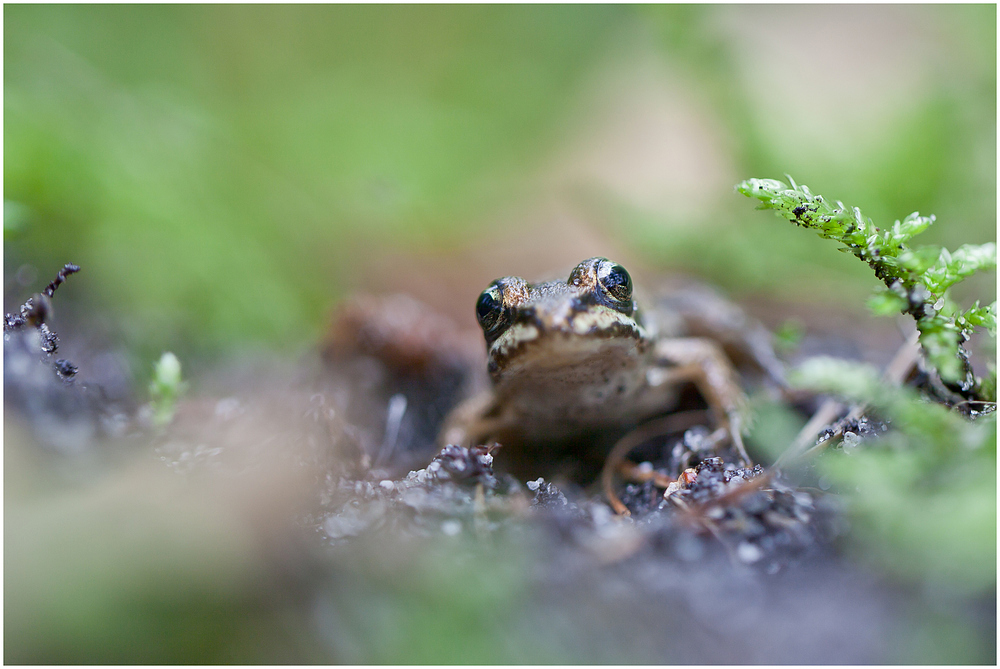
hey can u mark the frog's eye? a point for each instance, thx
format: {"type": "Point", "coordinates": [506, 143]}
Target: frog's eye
{"type": "Point", "coordinates": [489, 308]}
{"type": "Point", "coordinates": [615, 280]}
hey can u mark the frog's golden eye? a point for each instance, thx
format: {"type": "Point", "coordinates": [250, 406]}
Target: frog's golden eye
{"type": "Point", "coordinates": [489, 308]}
{"type": "Point", "coordinates": [615, 280]}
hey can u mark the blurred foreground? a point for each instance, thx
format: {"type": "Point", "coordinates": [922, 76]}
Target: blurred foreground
{"type": "Point", "coordinates": [237, 535]}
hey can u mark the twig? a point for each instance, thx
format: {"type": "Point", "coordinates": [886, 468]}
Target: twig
{"type": "Point", "coordinates": [805, 442]}
{"type": "Point", "coordinates": [67, 269]}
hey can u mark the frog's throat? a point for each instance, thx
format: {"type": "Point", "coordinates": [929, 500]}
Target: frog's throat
{"type": "Point", "coordinates": [563, 345]}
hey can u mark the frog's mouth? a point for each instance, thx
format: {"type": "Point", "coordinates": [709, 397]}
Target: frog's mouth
{"type": "Point", "coordinates": [571, 344]}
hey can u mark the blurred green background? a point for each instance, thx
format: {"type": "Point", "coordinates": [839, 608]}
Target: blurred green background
{"type": "Point", "coordinates": [225, 173]}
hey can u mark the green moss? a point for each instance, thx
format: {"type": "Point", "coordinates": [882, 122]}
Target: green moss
{"type": "Point", "coordinates": [916, 280]}
{"type": "Point", "coordinates": [166, 388]}
{"type": "Point", "coordinates": [923, 494]}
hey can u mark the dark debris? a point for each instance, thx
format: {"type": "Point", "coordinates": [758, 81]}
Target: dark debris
{"type": "Point", "coordinates": [761, 522]}
{"type": "Point", "coordinates": [547, 495]}
{"type": "Point", "coordinates": [65, 369]}
{"type": "Point", "coordinates": [457, 491]}
{"type": "Point", "coordinates": [64, 415]}
{"type": "Point", "coordinates": [468, 466]}
{"type": "Point", "coordinates": [735, 511]}
{"type": "Point", "coordinates": [854, 430]}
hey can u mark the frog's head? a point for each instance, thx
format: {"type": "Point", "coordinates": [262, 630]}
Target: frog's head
{"type": "Point", "coordinates": [575, 328]}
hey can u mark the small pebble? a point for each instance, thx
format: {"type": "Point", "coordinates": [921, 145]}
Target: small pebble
{"type": "Point", "coordinates": [850, 442]}
{"type": "Point", "coordinates": [715, 513]}
{"type": "Point", "coordinates": [748, 553]}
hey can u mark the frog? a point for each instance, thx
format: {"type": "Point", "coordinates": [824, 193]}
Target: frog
{"type": "Point", "coordinates": [575, 364]}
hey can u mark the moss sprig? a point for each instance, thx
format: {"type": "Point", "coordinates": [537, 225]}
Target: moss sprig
{"type": "Point", "coordinates": [916, 279]}
{"type": "Point", "coordinates": [166, 388]}
{"type": "Point", "coordinates": [924, 489]}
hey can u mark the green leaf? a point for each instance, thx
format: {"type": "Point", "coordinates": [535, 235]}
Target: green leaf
{"type": "Point", "coordinates": [984, 317]}
{"type": "Point", "coordinates": [919, 259]}
{"type": "Point", "coordinates": [909, 227]}
{"type": "Point", "coordinates": [885, 303]}
{"type": "Point", "coordinates": [952, 267]}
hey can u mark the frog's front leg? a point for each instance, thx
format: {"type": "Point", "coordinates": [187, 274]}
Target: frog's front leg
{"type": "Point", "coordinates": [702, 362]}
{"type": "Point", "coordinates": [473, 422]}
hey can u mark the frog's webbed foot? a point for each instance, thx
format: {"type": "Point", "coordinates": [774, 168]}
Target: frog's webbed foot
{"type": "Point", "coordinates": [702, 362]}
